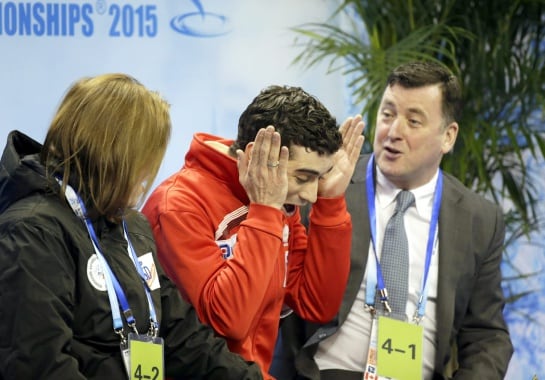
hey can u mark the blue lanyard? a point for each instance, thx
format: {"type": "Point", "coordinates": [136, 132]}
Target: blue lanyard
{"type": "Point", "coordinates": [374, 273]}
{"type": "Point", "coordinates": [115, 291]}
{"type": "Point", "coordinates": [154, 324]}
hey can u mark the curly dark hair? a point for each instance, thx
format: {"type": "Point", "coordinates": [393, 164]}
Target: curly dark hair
{"type": "Point", "coordinates": [299, 117]}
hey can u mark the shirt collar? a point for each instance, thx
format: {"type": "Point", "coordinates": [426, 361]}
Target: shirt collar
{"type": "Point", "coordinates": [386, 193]}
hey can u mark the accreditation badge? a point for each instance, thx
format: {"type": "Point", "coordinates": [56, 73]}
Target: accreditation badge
{"type": "Point", "coordinates": [146, 357]}
{"type": "Point", "coordinates": [399, 349]}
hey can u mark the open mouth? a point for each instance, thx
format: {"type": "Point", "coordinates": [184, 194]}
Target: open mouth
{"type": "Point", "coordinates": [289, 209]}
{"type": "Point", "coordinates": [391, 150]}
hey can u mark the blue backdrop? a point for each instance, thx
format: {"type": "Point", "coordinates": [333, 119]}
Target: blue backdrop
{"type": "Point", "coordinates": [208, 58]}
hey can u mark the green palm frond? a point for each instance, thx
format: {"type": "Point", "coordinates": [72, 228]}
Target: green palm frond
{"type": "Point", "coordinates": [496, 48]}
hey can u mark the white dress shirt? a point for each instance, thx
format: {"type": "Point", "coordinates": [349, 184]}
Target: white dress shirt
{"type": "Point", "coordinates": [347, 348]}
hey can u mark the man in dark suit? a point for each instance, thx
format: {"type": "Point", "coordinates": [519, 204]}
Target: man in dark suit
{"type": "Point", "coordinates": [454, 311]}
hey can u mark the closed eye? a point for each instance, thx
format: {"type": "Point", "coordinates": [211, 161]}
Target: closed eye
{"type": "Point", "coordinates": [301, 180]}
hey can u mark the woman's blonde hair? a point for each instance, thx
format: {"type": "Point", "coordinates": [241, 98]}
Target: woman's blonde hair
{"type": "Point", "coordinates": [108, 139]}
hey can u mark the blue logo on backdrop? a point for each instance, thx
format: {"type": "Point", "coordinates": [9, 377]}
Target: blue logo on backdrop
{"type": "Point", "coordinates": [201, 23]}
{"type": "Point", "coordinates": [45, 19]}
{"type": "Point", "coordinates": [59, 19]}
{"type": "Point", "coordinates": [113, 19]}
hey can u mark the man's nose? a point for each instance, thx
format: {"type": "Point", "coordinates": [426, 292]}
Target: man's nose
{"type": "Point", "coordinates": [396, 127]}
{"type": "Point", "coordinates": [310, 192]}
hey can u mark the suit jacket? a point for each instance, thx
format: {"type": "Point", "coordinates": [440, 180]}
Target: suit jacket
{"type": "Point", "coordinates": [470, 300]}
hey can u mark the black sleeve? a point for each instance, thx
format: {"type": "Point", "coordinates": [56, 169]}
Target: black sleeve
{"type": "Point", "coordinates": [36, 290]}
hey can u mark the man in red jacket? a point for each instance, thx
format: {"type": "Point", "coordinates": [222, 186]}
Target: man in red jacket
{"type": "Point", "coordinates": [227, 224]}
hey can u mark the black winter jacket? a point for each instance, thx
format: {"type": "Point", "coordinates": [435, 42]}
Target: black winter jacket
{"type": "Point", "coordinates": [55, 318]}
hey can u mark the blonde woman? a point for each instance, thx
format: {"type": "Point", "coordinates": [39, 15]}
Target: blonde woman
{"type": "Point", "coordinates": [82, 293]}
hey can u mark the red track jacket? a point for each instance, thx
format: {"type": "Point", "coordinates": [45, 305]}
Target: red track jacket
{"type": "Point", "coordinates": [228, 257]}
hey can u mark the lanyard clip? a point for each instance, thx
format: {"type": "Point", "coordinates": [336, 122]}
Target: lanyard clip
{"type": "Point", "coordinates": [131, 322]}
{"type": "Point", "coordinates": [383, 295]}
{"type": "Point", "coordinates": [417, 318]}
{"type": "Point", "coordinates": [387, 306]}
{"type": "Point", "coordinates": [122, 337]}
{"type": "Point", "coordinates": [371, 309]}
{"type": "Point", "coordinates": [133, 327]}
{"type": "Point", "coordinates": [153, 328]}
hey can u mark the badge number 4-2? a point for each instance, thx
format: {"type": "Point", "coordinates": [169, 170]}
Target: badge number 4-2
{"type": "Point", "coordinates": [146, 357]}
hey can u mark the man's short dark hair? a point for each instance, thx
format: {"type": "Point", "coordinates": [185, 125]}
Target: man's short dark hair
{"type": "Point", "coordinates": [299, 117]}
{"type": "Point", "coordinates": [420, 74]}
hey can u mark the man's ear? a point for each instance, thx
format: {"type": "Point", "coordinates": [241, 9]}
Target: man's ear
{"type": "Point", "coordinates": [249, 147]}
{"type": "Point", "coordinates": [450, 134]}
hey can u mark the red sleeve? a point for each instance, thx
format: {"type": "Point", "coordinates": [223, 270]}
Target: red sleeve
{"type": "Point", "coordinates": [226, 293]}
{"type": "Point", "coordinates": [318, 271]}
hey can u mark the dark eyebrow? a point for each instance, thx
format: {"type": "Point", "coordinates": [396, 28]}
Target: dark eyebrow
{"type": "Point", "coordinates": [307, 171]}
{"type": "Point", "coordinates": [311, 172]}
{"type": "Point", "coordinates": [417, 111]}
{"type": "Point", "coordinates": [388, 103]}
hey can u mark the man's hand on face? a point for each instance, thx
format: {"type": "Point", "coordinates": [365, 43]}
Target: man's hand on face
{"type": "Point", "coordinates": [334, 183]}
{"type": "Point", "coordinates": [262, 169]}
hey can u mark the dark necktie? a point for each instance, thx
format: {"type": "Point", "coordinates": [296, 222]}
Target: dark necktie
{"type": "Point", "coordinates": [394, 260]}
